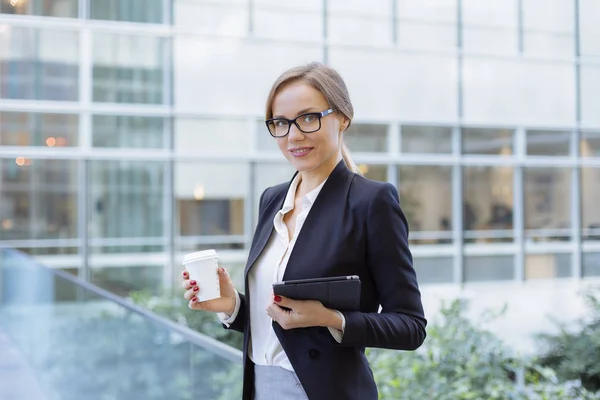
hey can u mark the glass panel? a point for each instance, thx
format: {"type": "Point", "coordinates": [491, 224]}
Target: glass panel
{"type": "Point", "coordinates": [489, 268]}
{"type": "Point", "coordinates": [546, 266]}
{"type": "Point", "coordinates": [359, 30]}
{"type": "Point", "coordinates": [275, 23]}
{"type": "Point", "coordinates": [264, 140]}
{"type": "Point", "coordinates": [490, 26]}
{"type": "Point", "coordinates": [487, 141]}
{"type": "Point", "coordinates": [33, 129]}
{"type": "Point", "coordinates": [427, 23]}
{"type": "Point", "coordinates": [126, 200]}
{"type": "Point", "coordinates": [38, 199]}
{"type": "Point", "coordinates": [486, 40]}
{"type": "Point", "coordinates": [590, 144]}
{"type": "Point", "coordinates": [548, 143]}
{"type": "Point", "coordinates": [589, 15]}
{"type": "Point", "coordinates": [210, 199]}
{"type": "Point", "coordinates": [73, 342]}
{"type": "Point", "coordinates": [48, 8]}
{"type": "Point", "coordinates": [548, 27]}
{"type": "Point", "coordinates": [367, 138]}
{"type": "Point", "coordinates": [426, 199]}
{"type": "Point", "coordinates": [434, 269]}
{"type": "Point", "coordinates": [39, 64]}
{"type": "Point", "coordinates": [129, 131]}
{"type": "Point", "coordinates": [488, 204]}
{"type": "Point", "coordinates": [267, 175]}
{"type": "Point", "coordinates": [127, 10]}
{"type": "Point", "coordinates": [225, 17]}
{"type": "Point", "coordinates": [591, 264]}
{"type": "Point", "coordinates": [590, 212]}
{"type": "Point", "coordinates": [547, 204]}
{"type": "Point", "coordinates": [374, 172]}
{"type": "Point", "coordinates": [128, 69]}
{"type": "Point", "coordinates": [123, 280]}
{"type": "Point", "coordinates": [210, 136]}
{"type": "Point", "coordinates": [426, 139]}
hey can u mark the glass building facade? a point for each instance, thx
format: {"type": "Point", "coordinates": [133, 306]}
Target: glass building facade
{"type": "Point", "coordinates": [131, 131]}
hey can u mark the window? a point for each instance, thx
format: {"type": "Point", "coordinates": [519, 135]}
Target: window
{"type": "Point", "coordinates": [128, 69]}
{"type": "Point", "coordinates": [47, 8]}
{"type": "Point", "coordinates": [547, 266]}
{"type": "Point", "coordinates": [590, 212]}
{"type": "Point", "coordinates": [548, 143]}
{"type": "Point", "coordinates": [129, 132]}
{"type": "Point", "coordinates": [489, 268]}
{"type": "Point", "coordinates": [374, 172]}
{"type": "Point", "coordinates": [426, 199]}
{"type": "Point", "coordinates": [210, 136]}
{"type": "Point", "coordinates": [149, 11]}
{"type": "Point", "coordinates": [590, 144]}
{"type": "Point", "coordinates": [434, 269]}
{"type": "Point", "coordinates": [367, 138]}
{"type": "Point", "coordinates": [34, 129]}
{"type": "Point", "coordinates": [427, 24]}
{"type": "Point", "coordinates": [487, 141]}
{"type": "Point", "coordinates": [547, 204]}
{"type": "Point", "coordinates": [548, 27]}
{"type": "Point", "coordinates": [488, 204]}
{"type": "Point", "coordinates": [31, 68]}
{"type": "Point", "coordinates": [38, 199]}
{"type": "Point", "coordinates": [426, 139]}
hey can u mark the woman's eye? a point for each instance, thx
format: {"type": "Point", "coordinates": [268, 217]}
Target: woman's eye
{"type": "Point", "coordinates": [309, 118]}
{"type": "Point", "coordinates": [280, 123]}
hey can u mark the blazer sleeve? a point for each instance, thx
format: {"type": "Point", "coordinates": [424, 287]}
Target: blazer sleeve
{"type": "Point", "coordinates": [401, 323]}
{"type": "Point", "coordinates": [239, 322]}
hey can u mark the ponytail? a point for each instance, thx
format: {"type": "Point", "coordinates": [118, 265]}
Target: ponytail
{"type": "Point", "coordinates": [348, 160]}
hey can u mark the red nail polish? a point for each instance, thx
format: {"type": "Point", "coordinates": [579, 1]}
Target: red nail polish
{"type": "Point", "coordinates": [184, 273]}
{"type": "Point", "coordinates": [194, 299]}
{"type": "Point", "coordinates": [193, 283]}
{"type": "Point", "coordinates": [196, 289]}
{"type": "Point", "coordinates": [277, 298]}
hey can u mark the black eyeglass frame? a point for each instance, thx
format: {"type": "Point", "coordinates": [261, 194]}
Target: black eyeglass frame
{"type": "Point", "coordinates": [319, 115]}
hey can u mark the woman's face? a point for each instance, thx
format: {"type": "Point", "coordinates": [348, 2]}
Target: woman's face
{"type": "Point", "coordinates": [308, 151]}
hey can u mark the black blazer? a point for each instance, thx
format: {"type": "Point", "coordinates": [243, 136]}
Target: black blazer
{"type": "Point", "coordinates": [355, 227]}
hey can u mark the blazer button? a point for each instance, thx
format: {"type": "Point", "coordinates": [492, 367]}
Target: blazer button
{"type": "Point", "coordinates": [313, 354]}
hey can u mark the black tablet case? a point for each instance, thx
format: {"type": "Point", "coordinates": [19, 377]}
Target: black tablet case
{"type": "Point", "coordinates": [342, 295]}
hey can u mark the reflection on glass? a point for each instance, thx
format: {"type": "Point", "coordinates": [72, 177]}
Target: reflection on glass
{"type": "Point", "coordinates": [548, 143]}
{"type": "Point", "coordinates": [434, 269]}
{"type": "Point", "coordinates": [128, 131]}
{"type": "Point", "coordinates": [128, 69]}
{"type": "Point", "coordinates": [124, 280]}
{"type": "Point", "coordinates": [547, 203]}
{"type": "Point", "coordinates": [590, 212]}
{"type": "Point", "coordinates": [426, 199]}
{"type": "Point", "coordinates": [374, 172]}
{"type": "Point", "coordinates": [33, 68]}
{"type": "Point", "coordinates": [488, 204]}
{"type": "Point", "coordinates": [367, 138]}
{"type": "Point", "coordinates": [38, 199]}
{"type": "Point", "coordinates": [546, 266]}
{"type": "Point", "coordinates": [590, 264]}
{"type": "Point", "coordinates": [489, 268]}
{"type": "Point", "coordinates": [590, 144]}
{"type": "Point", "coordinates": [210, 198]}
{"type": "Point", "coordinates": [35, 129]}
{"type": "Point", "coordinates": [47, 8]}
{"type": "Point", "coordinates": [426, 139]}
{"type": "Point", "coordinates": [487, 141]}
{"type": "Point", "coordinates": [149, 11]}
{"type": "Point", "coordinates": [126, 200]}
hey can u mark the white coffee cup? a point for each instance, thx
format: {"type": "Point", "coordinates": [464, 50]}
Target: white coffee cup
{"type": "Point", "coordinates": [202, 267]}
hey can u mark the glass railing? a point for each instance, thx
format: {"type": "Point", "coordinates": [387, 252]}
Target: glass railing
{"type": "Point", "coordinates": [67, 339]}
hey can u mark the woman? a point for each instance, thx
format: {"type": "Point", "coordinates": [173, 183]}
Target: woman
{"type": "Point", "coordinates": [328, 221]}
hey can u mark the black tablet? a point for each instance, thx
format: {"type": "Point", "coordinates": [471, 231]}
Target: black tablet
{"type": "Point", "coordinates": [337, 292]}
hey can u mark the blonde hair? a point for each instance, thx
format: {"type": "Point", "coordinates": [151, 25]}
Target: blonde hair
{"type": "Point", "coordinates": [331, 85]}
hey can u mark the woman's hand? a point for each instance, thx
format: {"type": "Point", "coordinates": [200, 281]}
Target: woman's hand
{"type": "Point", "coordinates": [302, 314]}
{"type": "Point", "coordinates": [224, 304]}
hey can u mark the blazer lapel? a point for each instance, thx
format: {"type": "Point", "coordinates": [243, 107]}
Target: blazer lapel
{"type": "Point", "coordinates": [264, 228]}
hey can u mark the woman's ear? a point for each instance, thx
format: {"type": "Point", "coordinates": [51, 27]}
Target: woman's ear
{"type": "Point", "coordinates": [345, 124]}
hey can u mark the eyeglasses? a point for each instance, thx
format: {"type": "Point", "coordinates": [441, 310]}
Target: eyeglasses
{"type": "Point", "coordinates": [307, 123]}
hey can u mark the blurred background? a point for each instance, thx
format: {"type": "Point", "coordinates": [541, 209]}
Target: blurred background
{"type": "Point", "coordinates": [131, 133]}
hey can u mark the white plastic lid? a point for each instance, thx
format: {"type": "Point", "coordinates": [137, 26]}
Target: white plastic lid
{"type": "Point", "coordinates": [199, 255]}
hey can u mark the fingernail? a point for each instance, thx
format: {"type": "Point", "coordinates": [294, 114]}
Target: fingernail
{"type": "Point", "coordinates": [277, 298]}
{"type": "Point", "coordinates": [185, 274]}
{"type": "Point", "coordinates": [221, 269]}
{"type": "Point", "coordinates": [194, 299]}
{"type": "Point", "coordinates": [193, 283]}
{"type": "Point", "coordinates": [196, 289]}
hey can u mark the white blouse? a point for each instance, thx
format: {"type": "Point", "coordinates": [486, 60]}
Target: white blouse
{"type": "Point", "coordinates": [264, 348]}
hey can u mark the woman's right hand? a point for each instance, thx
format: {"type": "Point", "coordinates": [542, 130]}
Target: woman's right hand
{"type": "Point", "coordinates": [224, 304]}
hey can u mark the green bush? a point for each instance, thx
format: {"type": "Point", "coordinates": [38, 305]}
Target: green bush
{"type": "Point", "coordinates": [574, 353]}
{"type": "Point", "coordinates": [460, 361]}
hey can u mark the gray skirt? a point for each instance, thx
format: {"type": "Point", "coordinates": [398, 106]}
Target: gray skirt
{"type": "Point", "coordinates": [276, 383]}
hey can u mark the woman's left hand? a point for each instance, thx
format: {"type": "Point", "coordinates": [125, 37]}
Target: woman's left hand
{"type": "Point", "coordinates": [302, 313]}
